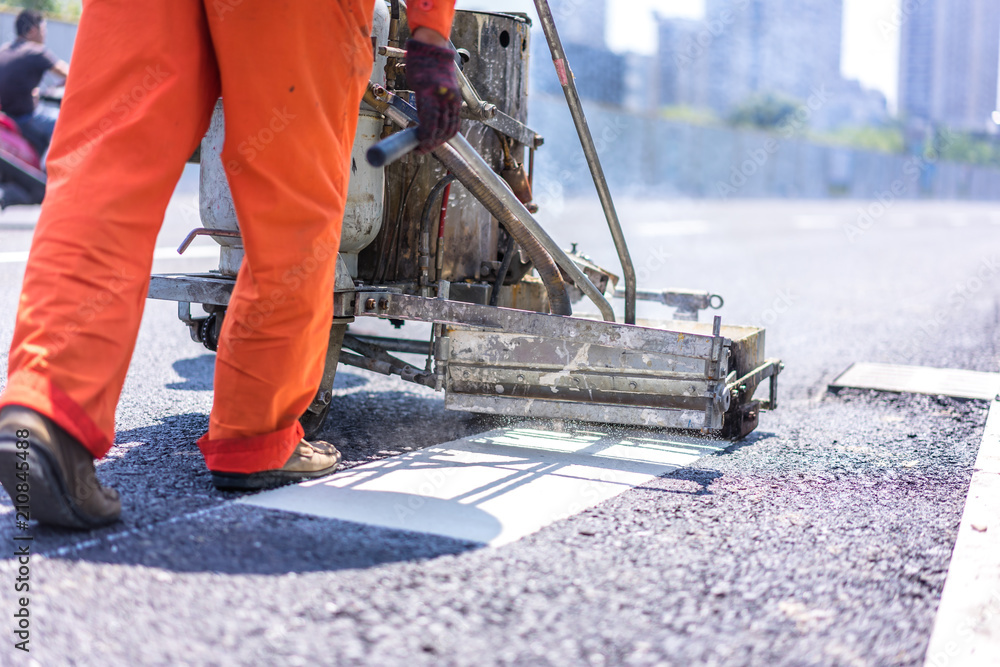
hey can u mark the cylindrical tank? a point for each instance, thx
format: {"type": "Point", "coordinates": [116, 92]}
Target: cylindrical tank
{"type": "Point", "coordinates": [365, 194]}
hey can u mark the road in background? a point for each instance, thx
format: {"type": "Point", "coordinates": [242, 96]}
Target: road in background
{"type": "Point", "coordinates": [823, 538]}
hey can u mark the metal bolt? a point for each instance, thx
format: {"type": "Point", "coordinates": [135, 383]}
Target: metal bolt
{"type": "Point", "coordinates": [633, 385]}
{"type": "Point", "coordinates": [520, 378]}
{"type": "Point", "coordinates": [370, 304]}
{"type": "Point", "coordinates": [383, 304]}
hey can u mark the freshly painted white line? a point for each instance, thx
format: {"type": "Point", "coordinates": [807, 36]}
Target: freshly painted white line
{"type": "Point", "coordinates": [492, 488]}
{"type": "Point", "coordinates": [967, 626]}
{"type": "Point", "coordinates": [921, 380]}
{"type": "Point", "coordinates": [19, 256]}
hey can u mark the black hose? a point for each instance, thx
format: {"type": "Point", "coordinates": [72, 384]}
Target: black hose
{"type": "Point", "coordinates": [555, 287]}
{"type": "Point", "coordinates": [425, 214]}
{"type": "Point", "coordinates": [508, 255]}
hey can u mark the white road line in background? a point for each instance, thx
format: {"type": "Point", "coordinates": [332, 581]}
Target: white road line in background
{"type": "Point", "coordinates": [967, 626]}
{"type": "Point", "coordinates": [673, 228]}
{"type": "Point", "coordinates": [160, 253]}
{"type": "Point", "coordinates": [817, 222]}
{"type": "Point", "coordinates": [921, 380]}
{"type": "Point", "coordinates": [493, 488]}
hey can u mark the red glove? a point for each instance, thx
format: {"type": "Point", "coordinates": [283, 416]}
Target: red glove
{"type": "Point", "coordinates": [430, 73]}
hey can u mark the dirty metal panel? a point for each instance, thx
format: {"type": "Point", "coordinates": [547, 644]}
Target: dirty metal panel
{"type": "Point", "coordinates": [578, 381]}
{"type": "Point", "coordinates": [600, 413]}
{"type": "Point", "coordinates": [920, 380]}
{"type": "Point", "coordinates": [511, 350]}
{"type": "Point", "coordinates": [634, 338]}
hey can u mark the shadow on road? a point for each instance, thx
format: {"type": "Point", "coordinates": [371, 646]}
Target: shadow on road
{"type": "Point", "coordinates": [238, 539]}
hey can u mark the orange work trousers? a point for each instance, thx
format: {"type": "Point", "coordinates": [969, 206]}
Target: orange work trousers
{"type": "Point", "coordinates": [146, 75]}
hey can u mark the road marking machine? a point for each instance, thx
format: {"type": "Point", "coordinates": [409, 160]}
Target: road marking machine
{"type": "Point", "coordinates": [449, 239]}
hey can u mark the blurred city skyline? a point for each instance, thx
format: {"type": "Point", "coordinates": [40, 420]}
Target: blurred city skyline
{"type": "Point", "coordinates": [871, 33]}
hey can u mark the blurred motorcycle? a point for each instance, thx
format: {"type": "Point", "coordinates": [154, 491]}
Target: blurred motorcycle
{"type": "Point", "coordinates": [22, 177]}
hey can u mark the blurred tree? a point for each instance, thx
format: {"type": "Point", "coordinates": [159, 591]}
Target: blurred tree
{"type": "Point", "coordinates": [766, 111]}
{"type": "Point", "coordinates": [47, 6]}
{"type": "Point", "coordinates": [690, 115]}
{"type": "Point", "coordinates": [885, 139]}
{"type": "Point", "coordinates": [965, 147]}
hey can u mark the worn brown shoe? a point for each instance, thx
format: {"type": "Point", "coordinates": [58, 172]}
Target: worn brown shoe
{"type": "Point", "coordinates": [53, 474]}
{"type": "Point", "coordinates": [309, 461]}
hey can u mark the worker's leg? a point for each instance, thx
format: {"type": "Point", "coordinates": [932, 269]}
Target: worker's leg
{"type": "Point", "coordinates": [291, 86]}
{"type": "Point", "coordinates": [138, 100]}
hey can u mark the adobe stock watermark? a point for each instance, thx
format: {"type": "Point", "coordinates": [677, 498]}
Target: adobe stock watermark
{"type": "Point", "coordinates": [323, 254]}
{"type": "Point", "coordinates": [959, 296]}
{"type": "Point", "coordinates": [710, 30]}
{"type": "Point", "coordinates": [120, 110]}
{"type": "Point", "coordinates": [652, 265]}
{"type": "Point", "coordinates": [900, 15]}
{"type": "Point", "coordinates": [783, 302]}
{"type": "Point", "coordinates": [550, 194]}
{"type": "Point", "coordinates": [742, 173]}
{"type": "Point", "coordinates": [948, 653]}
{"type": "Point", "coordinates": [884, 200]}
{"type": "Point", "coordinates": [223, 7]}
{"type": "Point", "coordinates": [89, 309]}
{"type": "Point", "coordinates": [254, 144]}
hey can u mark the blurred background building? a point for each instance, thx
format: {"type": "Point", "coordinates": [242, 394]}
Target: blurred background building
{"type": "Point", "coordinates": [948, 63]}
{"type": "Point", "coordinates": [600, 73]}
{"type": "Point", "coordinates": [746, 49]}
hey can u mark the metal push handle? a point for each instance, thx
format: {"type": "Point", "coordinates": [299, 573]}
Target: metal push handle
{"type": "Point", "coordinates": [393, 147]}
{"type": "Point", "coordinates": [590, 152]}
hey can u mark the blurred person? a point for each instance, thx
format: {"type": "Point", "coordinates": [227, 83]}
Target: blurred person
{"type": "Point", "coordinates": [146, 76]}
{"type": "Point", "coordinates": [23, 63]}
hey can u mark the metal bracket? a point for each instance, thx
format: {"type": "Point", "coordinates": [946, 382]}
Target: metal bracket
{"type": "Point", "coordinates": [687, 302]}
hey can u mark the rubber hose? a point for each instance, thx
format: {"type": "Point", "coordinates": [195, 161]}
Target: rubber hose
{"type": "Point", "coordinates": [425, 214]}
{"type": "Point", "coordinates": [508, 255]}
{"type": "Point", "coordinates": [555, 287]}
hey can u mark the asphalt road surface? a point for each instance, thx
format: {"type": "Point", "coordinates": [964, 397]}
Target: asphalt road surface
{"type": "Point", "coordinates": [823, 538]}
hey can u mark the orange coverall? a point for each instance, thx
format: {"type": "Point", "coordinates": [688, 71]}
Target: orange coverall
{"type": "Point", "coordinates": [146, 74]}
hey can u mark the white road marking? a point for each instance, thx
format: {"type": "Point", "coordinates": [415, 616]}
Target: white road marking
{"type": "Point", "coordinates": [967, 627]}
{"type": "Point", "coordinates": [816, 222]}
{"type": "Point", "coordinates": [493, 488]}
{"type": "Point", "coordinates": [20, 256]}
{"type": "Point", "coordinates": [673, 228]}
{"type": "Point", "coordinates": [921, 380]}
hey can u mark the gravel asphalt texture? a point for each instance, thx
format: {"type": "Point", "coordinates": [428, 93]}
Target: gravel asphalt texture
{"type": "Point", "coordinates": [822, 539]}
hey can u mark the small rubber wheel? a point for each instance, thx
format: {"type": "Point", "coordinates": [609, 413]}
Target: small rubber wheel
{"type": "Point", "coordinates": [312, 423]}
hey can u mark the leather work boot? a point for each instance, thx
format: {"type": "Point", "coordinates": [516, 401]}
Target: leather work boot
{"type": "Point", "coordinates": [309, 461]}
{"type": "Point", "coordinates": [55, 473]}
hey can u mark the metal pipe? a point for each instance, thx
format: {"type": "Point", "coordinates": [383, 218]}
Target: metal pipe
{"type": "Point", "coordinates": [406, 346]}
{"type": "Point", "coordinates": [402, 114]}
{"type": "Point", "coordinates": [471, 178]}
{"type": "Point", "coordinates": [590, 152]}
{"type": "Point", "coordinates": [478, 107]}
{"type": "Point", "coordinates": [510, 201]}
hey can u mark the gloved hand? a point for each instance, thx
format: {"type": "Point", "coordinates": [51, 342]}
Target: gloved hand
{"type": "Point", "coordinates": [430, 73]}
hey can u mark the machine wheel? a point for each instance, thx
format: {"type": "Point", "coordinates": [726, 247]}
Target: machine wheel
{"type": "Point", "coordinates": [312, 422]}
{"type": "Point", "coordinates": [314, 417]}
